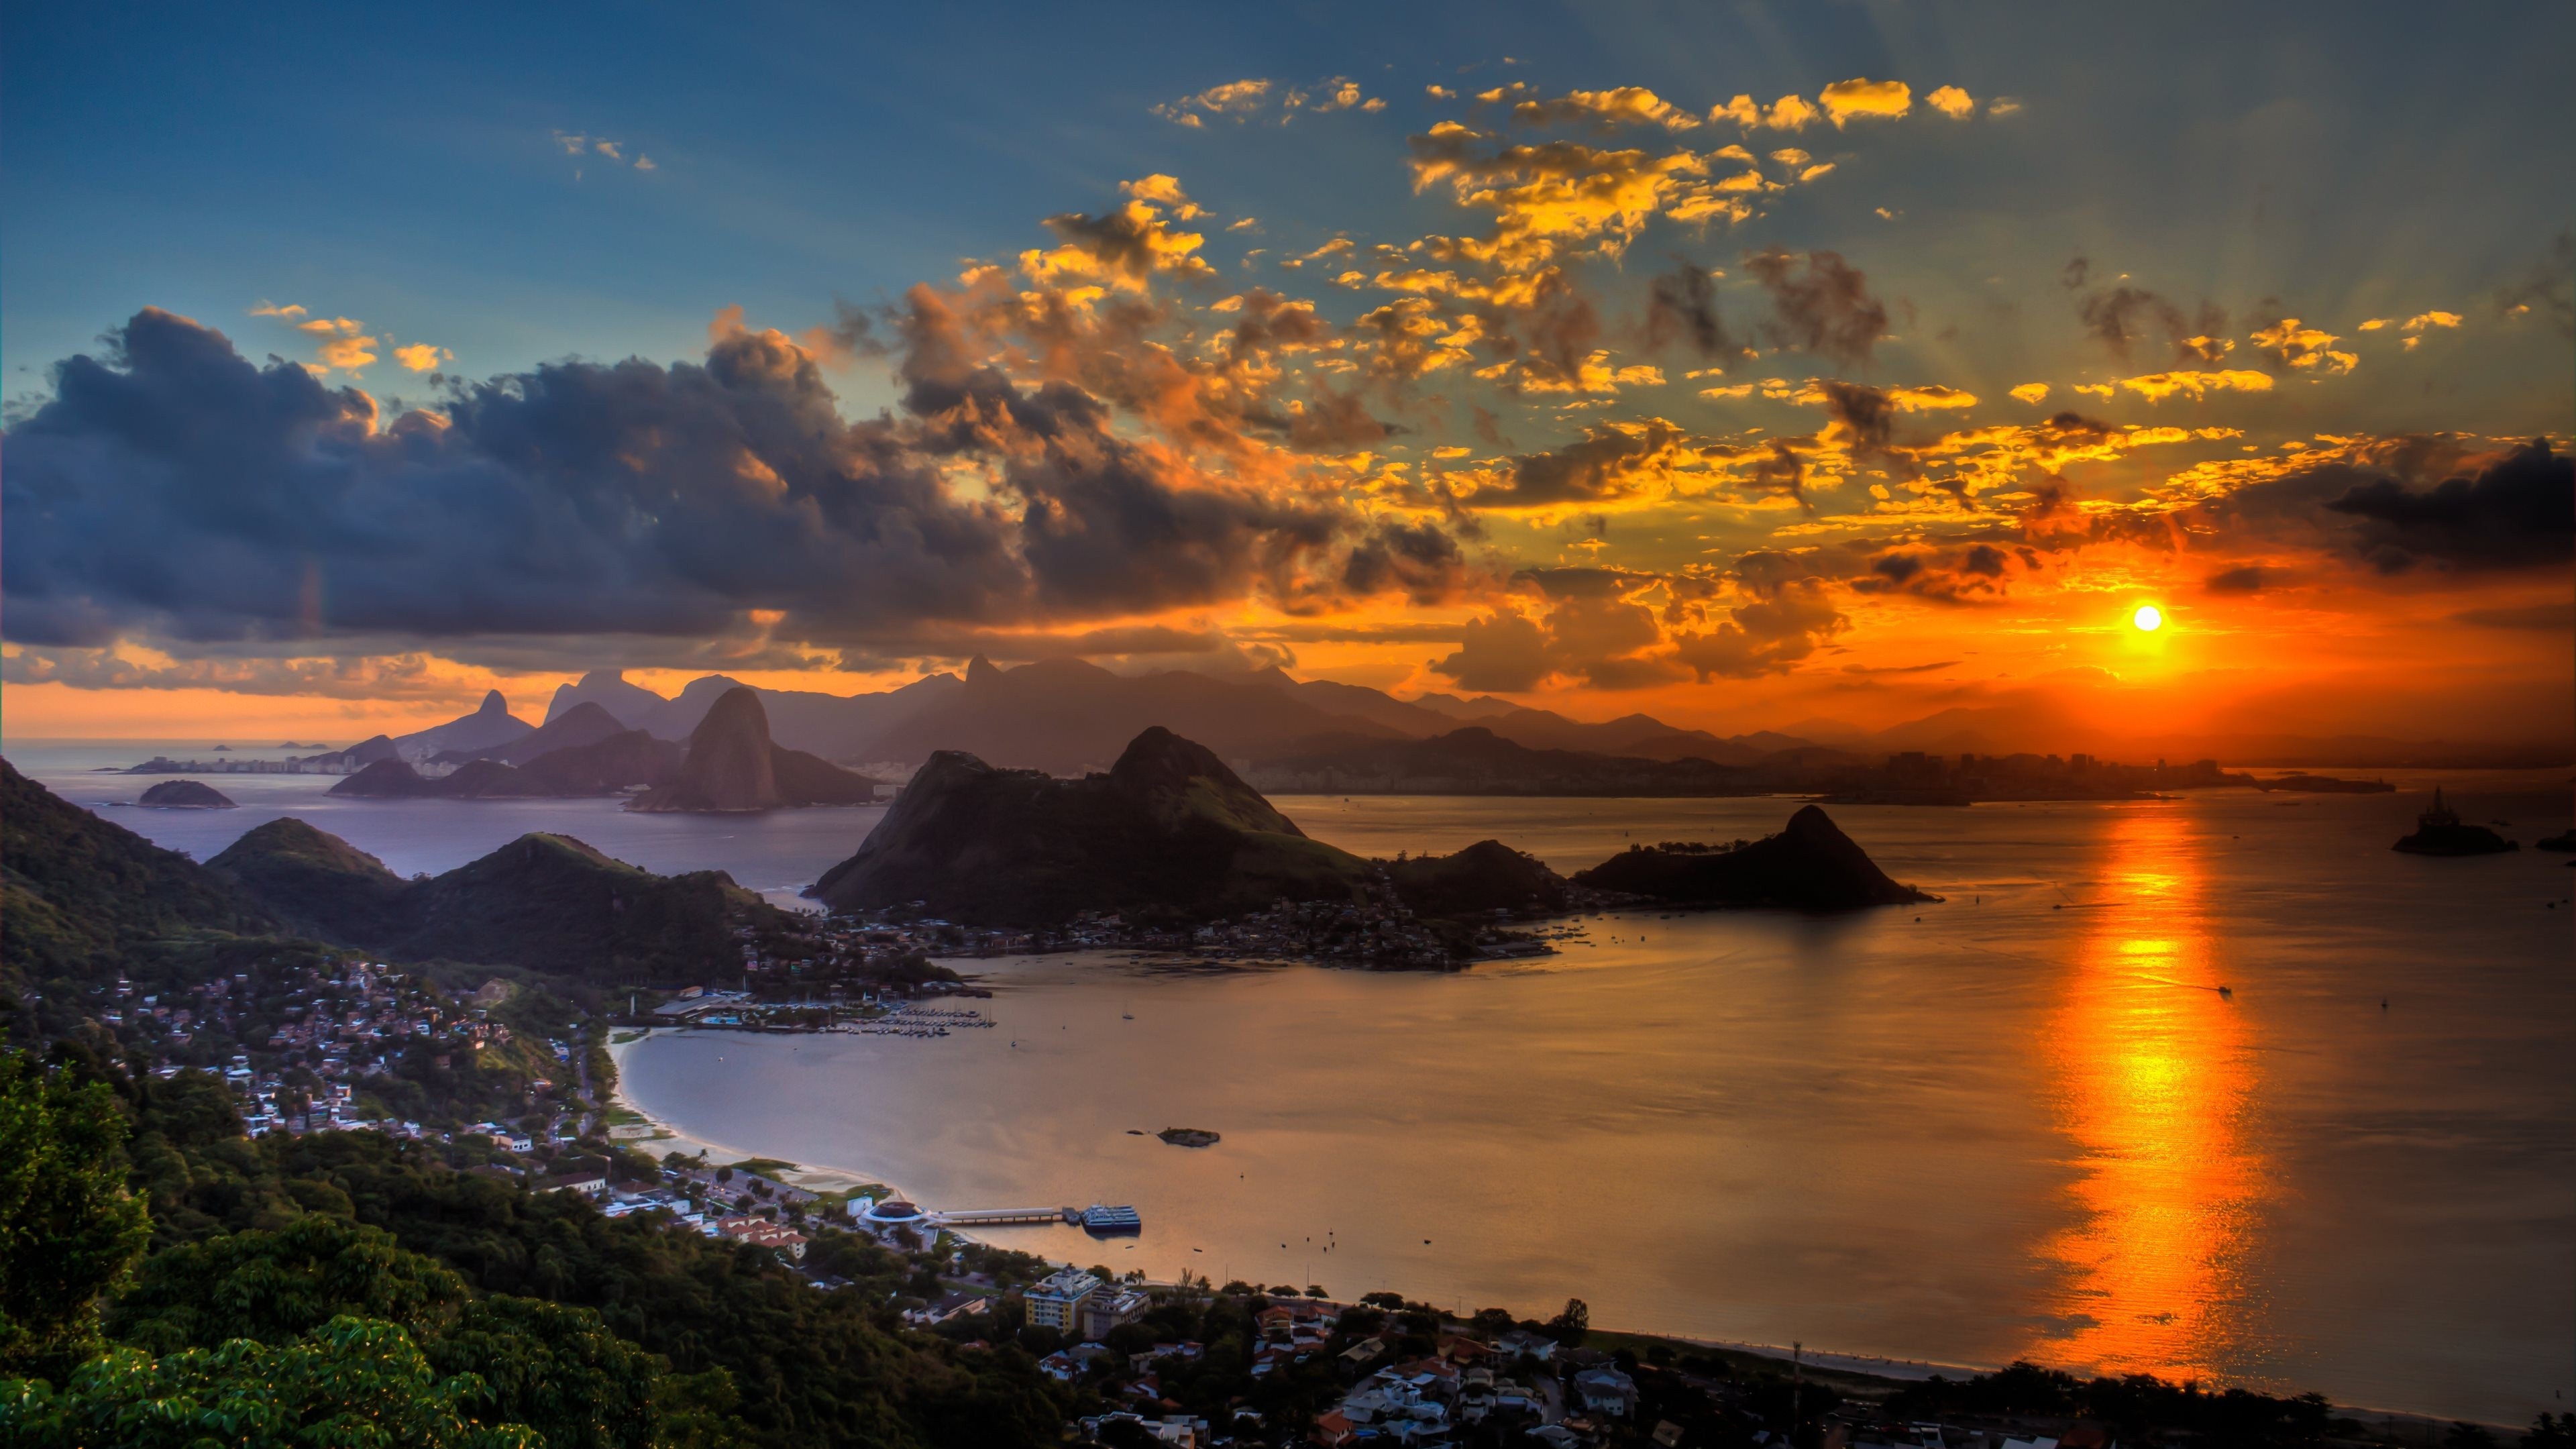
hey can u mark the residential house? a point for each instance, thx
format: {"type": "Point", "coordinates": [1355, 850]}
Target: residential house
{"type": "Point", "coordinates": [1606, 1391]}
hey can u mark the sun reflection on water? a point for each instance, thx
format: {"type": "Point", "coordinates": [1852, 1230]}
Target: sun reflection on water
{"type": "Point", "coordinates": [2155, 1083]}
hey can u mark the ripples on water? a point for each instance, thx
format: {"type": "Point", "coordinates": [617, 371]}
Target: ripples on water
{"type": "Point", "coordinates": [2028, 1125]}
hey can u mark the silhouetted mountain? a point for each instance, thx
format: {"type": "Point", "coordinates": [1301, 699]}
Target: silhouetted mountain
{"type": "Point", "coordinates": [1168, 830]}
{"type": "Point", "coordinates": [77, 893]}
{"type": "Point", "coordinates": [733, 765]}
{"type": "Point", "coordinates": [631, 705]}
{"type": "Point", "coordinates": [1486, 876]}
{"type": "Point", "coordinates": [1476, 761]}
{"type": "Point", "coordinates": [82, 898]}
{"type": "Point", "coordinates": [622, 761]}
{"type": "Point", "coordinates": [583, 724]}
{"type": "Point", "coordinates": [1482, 707]}
{"type": "Point", "coordinates": [360, 755]}
{"type": "Point", "coordinates": [837, 727]}
{"type": "Point", "coordinates": [543, 902]}
{"type": "Point", "coordinates": [185, 795]}
{"type": "Point", "coordinates": [1064, 715]}
{"type": "Point", "coordinates": [385, 780]}
{"type": "Point", "coordinates": [604, 767]}
{"type": "Point", "coordinates": [316, 882]}
{"type": "Point", "coordinates": [491, 725]}
{"type": "Point", "coordinates": [1353, 701]}
{"type": "Point", "coordinates": [1810, 866]}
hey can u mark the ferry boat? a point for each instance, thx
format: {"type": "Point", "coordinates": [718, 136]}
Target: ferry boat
{"type": "Point", "coordinates": [1100, 1221]}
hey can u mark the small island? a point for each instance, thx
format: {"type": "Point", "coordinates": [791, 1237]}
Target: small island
{"type": "Point", "coordinates": [1809, 866]}
{"type": "Point", "coordinates": [184, 795]}
{"type": "Point", "coordinates": [1189, 1137]}
{"type": "Point", "coordinates": [2439, 831]}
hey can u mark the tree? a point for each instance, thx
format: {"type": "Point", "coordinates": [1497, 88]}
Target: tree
{"type": "Point", "coordinates": [351, 1383]}
{"type": "Point", "coordinates": [69, 1229]}
{"type": "Point", "coordinates": [557, 1370]}
{"type": "Point", "coordinates": [1571, 1326]}
{"type": "Point", "coordinates": [276, 1287]}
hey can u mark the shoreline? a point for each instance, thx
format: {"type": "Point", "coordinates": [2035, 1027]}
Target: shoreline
{"type": "Point", "coordinates": [1876, 1366]}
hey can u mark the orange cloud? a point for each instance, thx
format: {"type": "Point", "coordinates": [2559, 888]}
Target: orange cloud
{"type": "Point", "coordinates": [1952, 102]}
{"type": "Point", "coordinates": [1885, 100]}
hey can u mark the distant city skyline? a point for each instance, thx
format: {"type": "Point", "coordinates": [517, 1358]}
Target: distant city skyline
{"type": "Point", "coordinates": [1852, 364]}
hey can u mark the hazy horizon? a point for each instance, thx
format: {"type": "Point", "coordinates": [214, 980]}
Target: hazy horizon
{"type": "Point", "coordinates": [1852, 365]}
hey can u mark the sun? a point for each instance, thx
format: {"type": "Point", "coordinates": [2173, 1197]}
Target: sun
{"type": "Point", "coordinates": [2149, 618]}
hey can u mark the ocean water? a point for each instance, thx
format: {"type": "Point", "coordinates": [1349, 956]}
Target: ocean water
{"type": "Point", "coordinates": [2021, 1123]}
{"type": "Point", "coordinates": [777, 854]}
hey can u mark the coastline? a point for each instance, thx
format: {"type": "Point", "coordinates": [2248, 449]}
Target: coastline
{"type": "Point", "coordinates": [668, 1138]}
{"type": "Point", "coordinates": [1817, 1360]}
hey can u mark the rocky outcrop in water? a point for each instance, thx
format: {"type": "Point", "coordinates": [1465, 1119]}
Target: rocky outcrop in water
{"type": "Point", "coordinates": [184, 795]}
{"type": "Point", "coordinates": [1809, 866]}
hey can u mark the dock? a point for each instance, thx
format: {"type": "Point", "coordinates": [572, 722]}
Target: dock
{"type": "Point", "coordinates": [1097, 1218]}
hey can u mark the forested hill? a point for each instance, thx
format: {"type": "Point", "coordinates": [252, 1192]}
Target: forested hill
{"type": "Point", "coordinates": [78, 894]}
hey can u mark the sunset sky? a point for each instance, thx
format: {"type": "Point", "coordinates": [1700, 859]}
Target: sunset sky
{"type": "Point", "coordinates": [1752, 370]}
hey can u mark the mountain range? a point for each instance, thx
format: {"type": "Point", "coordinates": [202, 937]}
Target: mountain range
{"type": "Point", "coordinates": [1065, 716]}
{"type": "Point", "coordinates": [1068, 716]}
{"type": "Point", "coordinates": [84, 898]}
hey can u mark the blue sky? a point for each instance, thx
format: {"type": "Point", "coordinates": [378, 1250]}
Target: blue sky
{"type": "Point", "coordinates": [2343, 227]}
{"type": "Point", "coordinates": [399, 167]}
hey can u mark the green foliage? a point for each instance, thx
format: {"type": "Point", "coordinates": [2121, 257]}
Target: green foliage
{"type": "Point", "coordinates": [2131, 1402]}
{"type": "Point", "coordinates": [279, 1286]}
{"type": "Point", "coordinates": [544, 902]}
{"type": "Point", "coordinates": [78, 893]}
{"type": "Point", "coordinates": [69, 1229]}
{"type": "Point", "coordinates": [557, 1370]}
{"type": "Point", "coordinates": [351, 1384]}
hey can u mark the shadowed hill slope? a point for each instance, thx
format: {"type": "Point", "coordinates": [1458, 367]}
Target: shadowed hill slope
{"type": "Point", "coordinates": [1810, 866]}
{"type": "Point", "coordinates": [76, 892]}
{"type": "Point", "coordinates": [733, 765]}
{"type": "Point", "coordinates": [1169, 829]}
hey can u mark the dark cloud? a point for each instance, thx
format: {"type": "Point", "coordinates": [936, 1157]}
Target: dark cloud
{"type": "Point", "coordinates": [2118, 317]}
{"type": "Point", "coordinates": [2556, 618]}
{"type": "Point", "coordinates": [173, 489]}
{"type": "Point", "coordinates": [1607, 463]}
{"type": "Point", "coordinates": [1865, 419]}
{"type": "Point", "coordinates": [1897, 567]}
{"type": "Point", "coordinates": [2077, 270]}
{"type": "Point", "coordinates": [1819, 304]}
{"type": "Point", "coordinates": [1789, 620]}
{"type": "Point", "coordinates": [1505, 651]}
{"type": "Point", "coordinates": [2248, 579]}
{"type": "Point", "coordinates": [1419, 560]}
{"type": "Point", "coordinates": [1681, 306]}
{"type": "Point", "coordinates": [1594, 632]}
{"type": "Point", "coordinates": [2518, 512]}
{"type": "Point", "coordinates": [2548, 290]}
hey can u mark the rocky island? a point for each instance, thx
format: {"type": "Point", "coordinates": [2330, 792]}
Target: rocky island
{"type": "Point", "coordinates": [1168, 833]}
{"type": "Point", "coordinates": [184, 795]}
{"type": "Point", "coordinates": [2440, 831]}
{"type": "Point", "coordinates": [1189, 1137]}
{"type": "Point", "coordinates": [1809, 866]}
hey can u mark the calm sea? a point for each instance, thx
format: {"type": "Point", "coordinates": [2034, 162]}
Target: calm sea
{"type": "Point", "coordinates": [2022, 1123]}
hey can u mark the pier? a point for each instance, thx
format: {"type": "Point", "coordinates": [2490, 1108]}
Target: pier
{"type": "Point", "coordinates": [994, 1217]}
{"type": "Point", "coordinates": [1096, 1218]}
